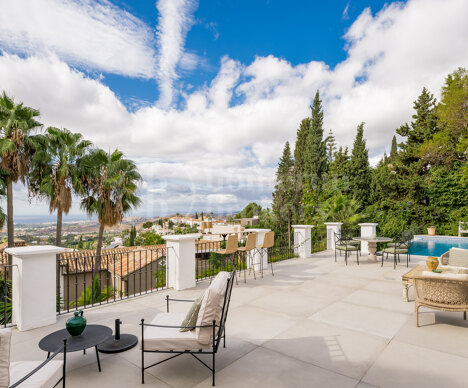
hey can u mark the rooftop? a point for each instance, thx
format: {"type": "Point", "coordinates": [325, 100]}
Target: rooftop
{"type": "Point", "coordinates": [316, 323]}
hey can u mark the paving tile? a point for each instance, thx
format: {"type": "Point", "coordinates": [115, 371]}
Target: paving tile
{"type": "Point", "coordinates": [266, 368]}
{"type": "Point", "coordinates": [257, 325]}
{"type": "Point", "coordinates": [362, 318]}
{"type": "Point", "coordinates": [116, 372]}
{"type": "Point", "coordinates": [341, 350]}
{"type": "Point", "coordinates": [439, 330]}
{"type": "Point", "coordinates": [404, 365]}
{"type": "Point", "coordinates": [389, 302]}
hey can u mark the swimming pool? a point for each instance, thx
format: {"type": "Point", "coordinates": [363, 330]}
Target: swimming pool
{"type": "Point", "coordinates": [436, 245]}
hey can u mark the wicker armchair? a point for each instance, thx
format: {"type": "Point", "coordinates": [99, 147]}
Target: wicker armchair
{"type": "Point", "coordinates": [441, 293]}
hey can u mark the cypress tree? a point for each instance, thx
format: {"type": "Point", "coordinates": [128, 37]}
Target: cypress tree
{"type": "Point", "coordinates": [331, 146]}
{"type": "Point", "coordinates": [394, 149]}
{"type": "Point", "coordinates": [360, 178]}
{"type": "Point", "coordinates": [299, 166]}
{"type": "Point", "coordinates": [283, 196]}
{"type": "Point", "coordinates": [316, 158]}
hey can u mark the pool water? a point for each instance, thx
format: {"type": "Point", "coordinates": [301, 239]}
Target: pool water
{"type": "Point", "coordinates": [436, 246]}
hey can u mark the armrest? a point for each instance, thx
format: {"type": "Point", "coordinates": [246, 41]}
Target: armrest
{"type": "Point", "coordinates": [176, 300]}
{"type": "Point", "coordinates": [62, 348]}
{"type": "Point", "coordinates": [178, 327]}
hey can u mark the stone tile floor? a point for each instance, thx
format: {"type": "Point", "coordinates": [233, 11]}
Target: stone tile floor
{"type": "Point", "coordinates": [316, 323]}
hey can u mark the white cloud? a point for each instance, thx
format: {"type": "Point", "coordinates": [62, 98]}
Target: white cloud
{"type": "Point", "coordinates": [94, 34]}
{"type": "Point", "coordinates": [174, 21]}
{"type": "Point", "coordinates": [227, 139]}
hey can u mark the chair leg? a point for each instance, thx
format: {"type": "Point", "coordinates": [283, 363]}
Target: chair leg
{"type": "Point", "coordinates": [357, 256]}
{"type": "Point", "coordinates": [214, 354]}
{"type": "Point", "coordinates": [142, 353]}
{"type": "Point", "coordinates": [416, 310]}
{"type": "Point", "coordinates": [464, 315]}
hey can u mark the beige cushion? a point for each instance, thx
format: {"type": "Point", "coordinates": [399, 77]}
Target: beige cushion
{"type": "Point", "coordinates": [446, 275]}
{"type": "Point", "coordinates": [453, 268]}
{"type": "Point", "coordinates": [46, 377]}
{"type": "Point", "coordinates": [211, 307]}
{"type": "Point", "coordinates": [458, 257]}
{"type": "Point", "coordinates": [5, 340]}
{"type": "Point", "coordinates": [192, 314]}
{"type": "Point", "coordinates": [160, 338]}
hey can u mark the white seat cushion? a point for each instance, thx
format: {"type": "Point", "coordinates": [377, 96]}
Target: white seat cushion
{"type": "Point", "coordinates": [160, 338]}
{"type": "Point", "coordinates": [453, 268]}
{"type": "Point", "coordinates": [211, 307]}
{"type": "Point", "coordinates": [458, 257]}
{"type": "Point", "coordinates": [46, 377]}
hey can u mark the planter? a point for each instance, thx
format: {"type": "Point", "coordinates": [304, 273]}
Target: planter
{"type": "Point", "coordinates": [431, 231]}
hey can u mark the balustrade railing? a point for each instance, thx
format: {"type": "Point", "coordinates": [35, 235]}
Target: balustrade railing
{"type": "Point", "coordinates": [88, 280]}
{"type": "Point", "coordinates": [6, 309]}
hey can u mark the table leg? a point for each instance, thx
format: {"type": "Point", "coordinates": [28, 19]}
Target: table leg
{"type": "Point", "coordinates": [372, 247]}
{"type": "Point", "coordinates": [97, 357]}
{"type": "Point", "coordinates": [84, 351]}
{"type": "Point", "coordinates": [405, 291]}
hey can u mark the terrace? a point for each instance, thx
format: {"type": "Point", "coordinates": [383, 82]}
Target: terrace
{"type": "Point", "coordinates": [315, 323]}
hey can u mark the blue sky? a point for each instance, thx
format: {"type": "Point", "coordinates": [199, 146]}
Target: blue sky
{"type": "Point", "coordinates": [203, 94]}
{"type": "Point", "coordinates": [298, 31]}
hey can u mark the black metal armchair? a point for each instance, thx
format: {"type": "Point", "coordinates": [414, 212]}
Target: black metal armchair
{"type": "Point", "coordinates": [342, 245]}
{"type": "Point", "coordinates": [189, 343]}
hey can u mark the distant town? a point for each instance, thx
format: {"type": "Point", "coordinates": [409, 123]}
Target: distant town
{"type": "Point", "coordinates": [136, 230]}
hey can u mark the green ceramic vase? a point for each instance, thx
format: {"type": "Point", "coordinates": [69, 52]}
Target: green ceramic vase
{"type": "Point", "coordinates": [76, 324]}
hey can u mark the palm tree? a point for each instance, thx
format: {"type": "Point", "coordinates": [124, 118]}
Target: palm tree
{"type": "Point", "coordinates": [111, 184]}
{"type": "Point", "coordinates": [16, 148]}
{"type": "Point", "coordinates": [55, 171]}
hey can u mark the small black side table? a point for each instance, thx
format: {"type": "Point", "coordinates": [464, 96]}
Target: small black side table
{"type": "Point", "coordinates": [92, 336]}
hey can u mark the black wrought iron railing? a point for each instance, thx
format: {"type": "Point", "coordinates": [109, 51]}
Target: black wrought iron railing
{"type": "Point", "coordinates": [319, 238]}
{"type": "Point", "coordinates": [87, 280]}
{"type": "Point", "coordinates": [208, 262]}
{"type": "Point", "coordinates": [283, 248]}
{"type": "Point", "coordinates": [6, 308]}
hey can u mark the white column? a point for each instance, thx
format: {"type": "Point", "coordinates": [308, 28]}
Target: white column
{"type": "Point", "coordinates": [34, 285]}
{"type": "Point", "coordinates": [332, 229]}
{"type": "Point", "coordinates": [303, 240]}
{"type": "Point", "coordinates": [367, 230]}
{"type": "Point", "coordinates": [256, 256]}
{"type": "Point", "coordinates": [180, 253]}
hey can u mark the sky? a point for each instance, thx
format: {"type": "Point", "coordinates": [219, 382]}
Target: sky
{"type": "Point", "coordinates": [203, 94]}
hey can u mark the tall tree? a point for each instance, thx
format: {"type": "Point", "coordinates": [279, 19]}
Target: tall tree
{"type": "Point", "coordinates": [17, 146]}
{"type": "Point", "coordinates": [55, 173]}
{"type": "Point", "coordinates": [300, 150]}
{"type": "Point", "coordinates": [283, 196]}
{"type": "Point", "coordinates": [394, 149]}
{"type": "Point", "coordinates": [359, 172]}
{"type": "Point", "coordinates": [315, 158]}
{"type": "Point", "coordinates": [331, 145]}
{"type": "Point", "coordinates": [111, 190]}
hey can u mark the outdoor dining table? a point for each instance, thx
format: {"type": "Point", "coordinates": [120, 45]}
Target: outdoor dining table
{"type": "Point", "coordinates": [372, 244]}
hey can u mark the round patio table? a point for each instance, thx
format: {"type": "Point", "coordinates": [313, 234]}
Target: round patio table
{"type": "Point", "coordinates": [92, 336]}
{"type": "Point", "coordinates": [372, 244]}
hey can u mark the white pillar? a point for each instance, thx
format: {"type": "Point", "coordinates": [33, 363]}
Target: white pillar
{"type": "Point", "coordinates": [332, 229]}
{"type": "Point", "coordinates": [303, 240]}
{"type": "Point", "coordinates": [34, 285]}
{"type": "Point", "coordinates": [256, 256]}
{"type": "Point", "coordinates": [367, 230]}
{"type": "Point", "coordinates": [180, 253]}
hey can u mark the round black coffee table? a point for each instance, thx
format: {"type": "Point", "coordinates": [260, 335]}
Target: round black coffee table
{"type": "Point", "coordinates": [92, 336]}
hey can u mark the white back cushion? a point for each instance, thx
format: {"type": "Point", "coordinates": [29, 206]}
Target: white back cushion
{"type": "Point", "coordinates": [5, 341]}
{"type": "Point", "coordinates": [211, 307]}
{"type": "Point", "coordinates": [458, 257]}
